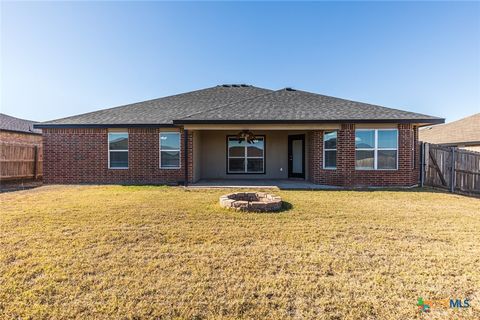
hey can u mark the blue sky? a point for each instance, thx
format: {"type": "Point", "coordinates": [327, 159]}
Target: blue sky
{"type": "Point", "coordinates": [61, 59]}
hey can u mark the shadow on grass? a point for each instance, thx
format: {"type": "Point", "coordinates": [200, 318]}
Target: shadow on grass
{"type": "Point", "coordinates": [393, 189]}
{"type": "Point", "coordinates": [19, 185]}
{"type": "Point", "coordinates": [286, 206]}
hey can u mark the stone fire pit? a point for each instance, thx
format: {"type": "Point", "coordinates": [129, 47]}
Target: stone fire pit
{"type": "Point", "coordinates": [251, 201]}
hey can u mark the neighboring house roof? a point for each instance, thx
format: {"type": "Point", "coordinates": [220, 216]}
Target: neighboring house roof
{"type": "Point", "coordinates": [10, 123]}
{"type": "Point", "coordinates": [242, 104]}
{"type": "Point", "coordinates": [464, 131]}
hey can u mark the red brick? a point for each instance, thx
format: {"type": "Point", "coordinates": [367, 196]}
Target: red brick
{"type": "Point", "coordinates": [346, 175]}
{"type": "Point", "coordinates": [81, 156]}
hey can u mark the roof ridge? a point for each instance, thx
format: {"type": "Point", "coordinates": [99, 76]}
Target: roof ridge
{"type": "Point", "coordinates": [228, 104]}
{"type": "Point", "coordinates": [134, 103]}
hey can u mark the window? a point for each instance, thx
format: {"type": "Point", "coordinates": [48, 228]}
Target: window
{"type": "Point", "coordinates": [244, 157]}
{"type": "Point", "coordinates": [169, 150]}
{"type": "Point", "coordinates": [118, 150]}
{"type": "Point", "coordinates": [330, 150]}
{"type": "Point", "coordinates": [376, 149]}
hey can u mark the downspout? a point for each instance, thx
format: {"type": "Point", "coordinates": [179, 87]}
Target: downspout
{"type": "Point", "coordinates": [185, 155]}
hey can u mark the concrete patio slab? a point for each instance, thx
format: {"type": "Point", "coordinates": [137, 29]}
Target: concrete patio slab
{"type": "Point", "coordinates": [261, 184]}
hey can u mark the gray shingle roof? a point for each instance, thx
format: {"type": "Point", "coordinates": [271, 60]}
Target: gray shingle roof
{"type": "Point", "coordinates": [239, 103]}
{"type": "Point", "coordinates": [295, 105]}
{"type": "Point", "coordinates": [16, 124]}
{"type": "Point", "coordinates": [164, 110]}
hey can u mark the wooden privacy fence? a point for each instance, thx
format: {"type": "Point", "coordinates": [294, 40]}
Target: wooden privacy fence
{"type": "Point", "coordinates": [450, 168]}
{"type": "Point", "coordinates": [20, 161]}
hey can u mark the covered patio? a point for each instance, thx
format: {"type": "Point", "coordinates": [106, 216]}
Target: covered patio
{"type": "Point", "coordinates": [275, 155]}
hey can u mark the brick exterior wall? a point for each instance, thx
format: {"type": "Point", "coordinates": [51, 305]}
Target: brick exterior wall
{"type": "Point", "coordinates": [81, 156]}
{"type": "Point", "coordinates": [347, 176]}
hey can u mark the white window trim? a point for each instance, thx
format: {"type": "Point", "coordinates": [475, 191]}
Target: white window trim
{"type": "Point", "coordinates": [160, 150]}
{"type": "Point", "coordinates": [375, 150]}
{"type": "Point", "coordinates": [324, 166]}
{"type": "Point", "coordinates": [128, 147]}
{"type": "Point", "coordinates": [246, 157]}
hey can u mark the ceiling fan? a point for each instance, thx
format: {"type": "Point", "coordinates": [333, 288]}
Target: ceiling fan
{"type": "Point", "coordinates": [246, 135]}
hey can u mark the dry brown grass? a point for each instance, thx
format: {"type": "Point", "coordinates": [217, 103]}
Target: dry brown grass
{"type": "Point", "coordinates": [159, 252]}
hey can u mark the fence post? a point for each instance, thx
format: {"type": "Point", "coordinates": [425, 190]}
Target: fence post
{"type": "Point", "coordinates": [35, 162]}
{"type": "Point", "coordinates": [452, 178]}
{"type": "Point", "coordinates": [426, 161]}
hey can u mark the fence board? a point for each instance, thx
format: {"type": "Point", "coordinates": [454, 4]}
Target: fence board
{"type": "Point", "coordinates": [453, 169]}
{"type": "Point", "coordinates": [20, 161]}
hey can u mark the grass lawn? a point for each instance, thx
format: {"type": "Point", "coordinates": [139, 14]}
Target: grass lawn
{"type": "Point", "coordinates": [160, 252]}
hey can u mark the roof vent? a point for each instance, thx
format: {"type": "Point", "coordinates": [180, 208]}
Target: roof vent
{"type": "Point", "coordinates": [289, 89]}
{"type": "Point", "coordinates": [234, 85]}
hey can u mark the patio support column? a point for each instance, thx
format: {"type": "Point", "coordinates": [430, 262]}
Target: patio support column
{"type": "Point", "coordinates": [185, 155]}
{"type": "Point", "coordinates": [346, 154]}
{"type": "Point", "coordinates": [315, 159]}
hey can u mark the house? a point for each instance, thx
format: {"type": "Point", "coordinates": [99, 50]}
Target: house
{"type": "Point", "coordinates": [237, 132]}
{"type": "Point", "coordinates": [463, 133]}
{"type": "Point", "coordinates": [15, 130]}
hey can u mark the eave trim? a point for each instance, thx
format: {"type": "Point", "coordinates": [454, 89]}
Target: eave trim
{"type": "Point", "coordinates": [117, 125]}
{"type": "Point", "coordinates": [422, 121]}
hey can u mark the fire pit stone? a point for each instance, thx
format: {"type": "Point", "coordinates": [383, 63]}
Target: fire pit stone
{"type": "Point", "coordinates": [251, 201]}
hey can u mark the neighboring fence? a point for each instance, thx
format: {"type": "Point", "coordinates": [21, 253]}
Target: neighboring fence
{"type": "Point", "coordinates": [451, 168]}
{"type": "Point", "coordinates": [20, 161]}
